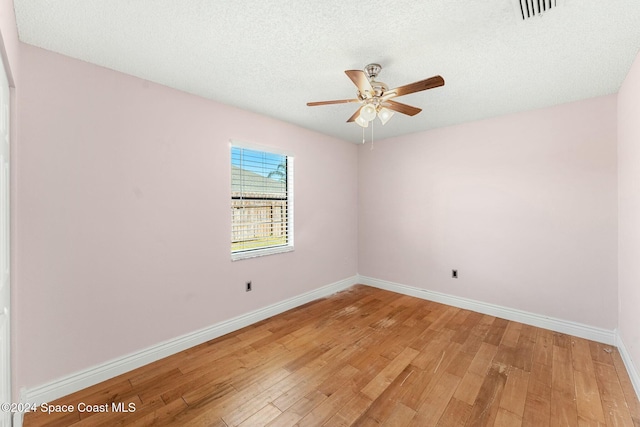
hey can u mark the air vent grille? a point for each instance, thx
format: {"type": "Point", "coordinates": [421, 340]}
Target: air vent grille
{"type": "Point", "coordinates": [531, 8]}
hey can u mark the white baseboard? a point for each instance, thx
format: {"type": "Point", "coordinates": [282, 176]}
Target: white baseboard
{"type": "Point", "coordinates": [634, 375]}
{"type": "Point", "coordinates": [88, 377]}
{"type": "Point", "coordinates": [558, 325]}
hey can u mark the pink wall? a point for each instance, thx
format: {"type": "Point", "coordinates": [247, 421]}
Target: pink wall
{"type": "Point", "coordinates": [124, 225]}
{"type": "Point", "coordinates": [629, 206]}
{"type": "Point", "coordinates": [524, 206]}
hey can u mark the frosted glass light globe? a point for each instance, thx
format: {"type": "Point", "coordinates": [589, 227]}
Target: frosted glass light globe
{"type": "Point", "coordinates": [384, 115]}
{"type": "Point", "coordinates": [362, 122]}
{"type": "Point", "coordinates": [368, 112]}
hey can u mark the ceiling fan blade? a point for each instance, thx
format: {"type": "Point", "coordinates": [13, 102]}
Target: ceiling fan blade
{"type": "Point", "coordinates": [355, 116]}
{"type": "Point", "coordinates": [401, 108]}
{"type": "Point", "coordinates": [359, 78]}
{"type": "Point", "coordinates": [337, 101]}
{"type": "Point", "coordinates": [429, 83]}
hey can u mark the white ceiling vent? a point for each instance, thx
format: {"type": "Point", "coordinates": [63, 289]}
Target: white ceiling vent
{"type": "Point", "coordinates": [529, 8]}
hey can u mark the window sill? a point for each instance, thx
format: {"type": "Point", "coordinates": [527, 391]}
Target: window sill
{"type": "Point", "coordinates": [260, 252]}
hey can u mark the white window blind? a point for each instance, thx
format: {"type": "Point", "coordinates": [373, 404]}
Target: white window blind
{"type": "Point", "coordinates": [261, 213]}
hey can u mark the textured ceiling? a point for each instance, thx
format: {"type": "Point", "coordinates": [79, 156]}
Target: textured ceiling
{"type": "Point", "coordinates": [272, 57]}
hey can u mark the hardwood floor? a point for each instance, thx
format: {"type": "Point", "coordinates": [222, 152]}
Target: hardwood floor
{"type": "Point", "coordinates": [368, 357]}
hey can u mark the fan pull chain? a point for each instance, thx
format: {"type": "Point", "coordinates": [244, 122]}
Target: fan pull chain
{"type": "Point", "coordinates": [371, 134]}
{"type": "Point", "coordinates": [363, 141]}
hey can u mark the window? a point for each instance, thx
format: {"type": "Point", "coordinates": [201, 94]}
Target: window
{"type": "Point", "coordinates": [261, 202]}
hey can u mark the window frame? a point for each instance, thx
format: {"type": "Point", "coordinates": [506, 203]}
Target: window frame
{"type": "Point", "coordinates": [289, 246]}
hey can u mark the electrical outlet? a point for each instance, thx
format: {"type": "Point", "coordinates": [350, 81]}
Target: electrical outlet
{"type": "Point", "coordinates": [248, 286]}
{"type": "Point", "coordinates": [454, 274]}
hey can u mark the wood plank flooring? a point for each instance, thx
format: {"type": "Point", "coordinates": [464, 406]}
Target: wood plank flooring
{"type": "Point", "coordinates": [368, 357]}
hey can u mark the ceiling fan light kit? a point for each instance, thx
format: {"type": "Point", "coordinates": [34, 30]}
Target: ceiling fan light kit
{"type": "Point", "coordinates": [376, 98]}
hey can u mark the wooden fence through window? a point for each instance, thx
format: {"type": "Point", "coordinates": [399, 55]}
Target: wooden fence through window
{"type": "Point", "coordinates": [258, 220]}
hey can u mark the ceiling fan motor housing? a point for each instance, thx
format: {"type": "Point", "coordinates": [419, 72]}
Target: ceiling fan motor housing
{"type": "Point", "coordinates": [372, 70]}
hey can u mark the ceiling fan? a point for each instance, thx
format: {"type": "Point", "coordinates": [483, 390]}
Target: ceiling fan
{"type": "Point", "coordinates": [376, 98]}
